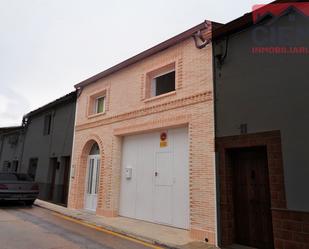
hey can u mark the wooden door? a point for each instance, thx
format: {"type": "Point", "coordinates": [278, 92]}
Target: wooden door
{"type": "Point", "coordinates": [252, 213]}
{"type": "Point", "coordinates": [66, 180]}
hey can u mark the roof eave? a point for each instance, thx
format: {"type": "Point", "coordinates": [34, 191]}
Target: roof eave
{"type": "Point", "coordinates": [241, 23]}
{"type": "Point", "coordinates": [68, 97]}
{"type": "Point", "coordinates": [151, 51]}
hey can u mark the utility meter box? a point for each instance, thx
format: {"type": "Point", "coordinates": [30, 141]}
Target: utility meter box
{"type": "Point", "coordinates": [128, 172]}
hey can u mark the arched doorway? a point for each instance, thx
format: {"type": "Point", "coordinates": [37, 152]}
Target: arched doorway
{"type": "Point", "coordinates": [92, 178]}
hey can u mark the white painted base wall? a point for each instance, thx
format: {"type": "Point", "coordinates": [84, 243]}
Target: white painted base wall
{"type": "Point", "coordinates": [161, 197]}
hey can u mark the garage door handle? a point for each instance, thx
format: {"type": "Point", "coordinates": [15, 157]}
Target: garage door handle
{"type": "Point", "coordinates": [156, 173]}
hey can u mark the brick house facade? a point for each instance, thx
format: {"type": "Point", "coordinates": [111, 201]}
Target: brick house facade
{"type": "Point", "coordinates": [129, 109]}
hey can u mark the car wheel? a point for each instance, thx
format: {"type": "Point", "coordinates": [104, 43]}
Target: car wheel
{"type": "Point", "coordinates": [29, 202]}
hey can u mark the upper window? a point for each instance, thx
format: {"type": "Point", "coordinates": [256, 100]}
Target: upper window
{"type": "Point", "coordinates": [47, 124]}
{"type": "Point", "coordinates": [160, 81]}
{"type": "Point", "coordinates": [163, 83]}
{"type": "Point", "coordinates": [97, 103]}
{"type": "Point", "coordinates": [14, 165]}
{"type": "Point", "coordinates": [6, 166]}
{"type": "Point", "coordinates": [100, 104]}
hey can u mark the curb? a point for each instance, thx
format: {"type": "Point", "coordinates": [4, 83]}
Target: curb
{"type": "Point", "coordinates": [115, 230]}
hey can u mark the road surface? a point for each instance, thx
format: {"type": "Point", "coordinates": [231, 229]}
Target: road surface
{"type": "Point", "coordinates": [36, 228]}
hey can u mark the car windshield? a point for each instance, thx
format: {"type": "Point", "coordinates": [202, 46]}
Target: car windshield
{"type": "Point", "coordinates": [15, 177]}
{"type": "Point", "coordinates": [8, 177]}
{"type": "Point", "coordinates": [24, 177]}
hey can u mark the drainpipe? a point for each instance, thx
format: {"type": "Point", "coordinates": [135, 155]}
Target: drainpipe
{"type": "Point", "coordinates": [200, 43]}
{"type": "Point", "coordinates": [23, 134]}
{"type": "Point", "coordinates": [218, 59]}
{"type": "Point", "coordinates": [1, 147]}
{"type": "Point", "coordinates": [216, 163]}
{"type": "Point", "coordinates": [199, 40]}
{"type": "Point", "coordinates": [72, 166]}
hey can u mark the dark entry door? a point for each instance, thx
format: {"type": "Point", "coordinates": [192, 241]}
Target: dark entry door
{"type": "Point", "coordinates": [66, 179]}
{"type": "Point", "coordinates": [253, 224]}
{"type": "Point", "coordinates": [53, 170]}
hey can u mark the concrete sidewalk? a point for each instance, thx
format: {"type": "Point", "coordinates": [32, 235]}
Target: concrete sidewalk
{"type": "Point", "coordinates": [145, 231]}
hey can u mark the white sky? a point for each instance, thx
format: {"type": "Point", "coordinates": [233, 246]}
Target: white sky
{"type": "Point", "coordinates": [47, 46]}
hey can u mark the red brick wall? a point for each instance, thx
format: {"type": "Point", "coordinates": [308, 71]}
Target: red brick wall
{"type": "Point", "coordinates": [129, 111]}
{"type": "Point", "coordinates": [291, 229]}
{"type": "Point", "coordinates": [272, 141]}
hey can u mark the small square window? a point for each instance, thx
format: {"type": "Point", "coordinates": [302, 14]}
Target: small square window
{"type": "Point", "coordinates": [14, 166]}
{"type": "Point", "coordinates": [163, 83]}
{"type": "Point", "coordinates": [97, 103]}
{"type": "Point", "coordinates": [6, 166]}
{"type": "Point", "coordinates": [100, 104]}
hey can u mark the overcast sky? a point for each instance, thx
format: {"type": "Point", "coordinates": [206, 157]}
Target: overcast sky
{"type": "Point", "coordinates": [47, 46]}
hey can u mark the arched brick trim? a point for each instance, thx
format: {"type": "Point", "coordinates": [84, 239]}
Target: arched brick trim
{"type": "Point", "coordinates": [81, 170]}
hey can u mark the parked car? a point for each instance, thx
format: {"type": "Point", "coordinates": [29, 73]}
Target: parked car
{"type": "Point", "coordinates": [18, 187]}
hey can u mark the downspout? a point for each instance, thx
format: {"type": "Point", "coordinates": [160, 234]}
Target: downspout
{"type": "Point", "coordinates": [72, 166]}
{"type": "Point", "coordinates": [217, 179]}
{"type": "Point", "coordinates": [1, 148]}
{"type": "Point", "coordinates": [199, 40]}
{"type": "Point", "coordinates": [23, 135]}
{"type": "Point", "coordinates": [200, 43]}
{"type": "Point", "coordinates": [218, 61]}
{"type": "Point", "coordinates": [79, 91]}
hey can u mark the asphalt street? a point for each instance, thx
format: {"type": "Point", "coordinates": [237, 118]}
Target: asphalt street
{"type": "Point", "coordinates": [24, 227]}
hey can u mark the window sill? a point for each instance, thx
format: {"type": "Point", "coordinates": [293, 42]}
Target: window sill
{"type": "Point", "coordinates": [160, 96]}
{"type": "Point", "coordinates": [96, 115]}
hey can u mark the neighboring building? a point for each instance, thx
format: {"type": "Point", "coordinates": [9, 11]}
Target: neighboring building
{"type": "Point", "coordinates": [47, 147]}
{"type": "Point", "coordinates": [262, 129]}
{"type": "Point", "coordinates": [144, 138]}
{"type": "Point", "coordinates": [11, 147]}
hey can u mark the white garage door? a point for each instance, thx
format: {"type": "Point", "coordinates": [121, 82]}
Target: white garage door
{"type": "Point", "coordinates": [155, 178]}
